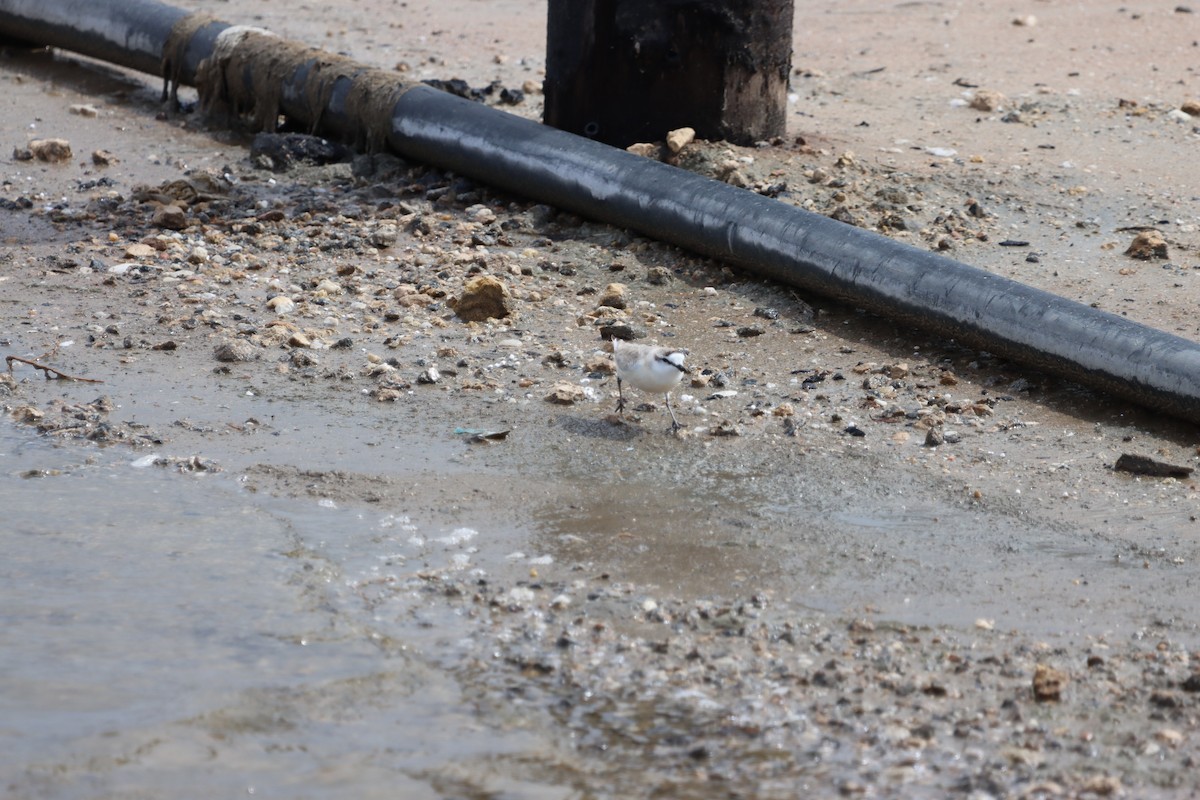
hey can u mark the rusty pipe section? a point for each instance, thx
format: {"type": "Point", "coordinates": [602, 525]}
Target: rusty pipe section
{"type": "Point", "coordinates": [249, 73]}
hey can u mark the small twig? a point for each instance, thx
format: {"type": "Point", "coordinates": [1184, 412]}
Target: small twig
{"type": "Point", "coordinates": [48, 371]}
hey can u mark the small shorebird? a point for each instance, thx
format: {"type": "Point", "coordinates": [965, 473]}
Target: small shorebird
{"type": "Point", "coordinates": [649, 368]}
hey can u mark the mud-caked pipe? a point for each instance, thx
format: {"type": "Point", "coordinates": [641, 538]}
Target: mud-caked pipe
{"type": "Point", "coordinates": [764, 236]}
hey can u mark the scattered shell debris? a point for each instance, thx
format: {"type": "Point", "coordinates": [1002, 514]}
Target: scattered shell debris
{"type": "Point", "coordinates": [390, 287]}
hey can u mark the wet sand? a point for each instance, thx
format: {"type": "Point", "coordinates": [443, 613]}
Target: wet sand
{"type": "Point", "coordinates": [590, 606]}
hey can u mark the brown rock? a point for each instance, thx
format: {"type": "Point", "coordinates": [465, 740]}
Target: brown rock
{"type": "Point", "coordinates": [644, 149]}
{"type": "Point", "coordinates": [104, 158]}
{"type": "Point", "coordinates": [281, 304]}
{"type": "Point", "coordinates": [238, 350]}
{"type": "Point", "coordinates": [28, 415]}
{"type": "Point", "coordinates": [139, 250]}
{"type": "Point", "coordinates": [483, 297]}
{"type": "Point", "coordinates": [1048, 683]}
{"type": "Point", "coordinates": [1147, 245]}
{"type": "Point", "coordinates": [1191, 107]}
{"type": "Point", "coordinates": [54, 151]}
{"type": "Point", "coordinates": [659, 276]}
{"type": "Point", "coordinates": [680, 138]}
{"type": "Point", "coordinates": [988, 100]}
{"type": "Point", "coordinates": [170, 217]}
{"type": "Point", "coordinates": [414, 300]}
{"type": "Point", "coordinates": [613, 296]}
{"type": "Point", "coordinates": [1103, 786]}
{"type": "Point", "coordinates": [565, 394]}
{"type": "Point", "coordinates": [736, 178]}
{"type": "Point", "coordinates": [602, 365]}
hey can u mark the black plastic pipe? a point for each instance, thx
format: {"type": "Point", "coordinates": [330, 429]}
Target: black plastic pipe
{"type": "Point", "coordinates": [802, 249]}
{"type": "Point", "coordinates": [773, 239]}
{"type": "Point", "coordinates": [130, 34]}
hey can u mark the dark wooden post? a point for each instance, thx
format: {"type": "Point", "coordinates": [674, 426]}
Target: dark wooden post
{"type": "Point", "coordinates": [625, 71]}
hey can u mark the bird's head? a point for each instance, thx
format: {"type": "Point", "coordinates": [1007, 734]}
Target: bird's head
{"type": "Point", "coordinates": [675, 359]}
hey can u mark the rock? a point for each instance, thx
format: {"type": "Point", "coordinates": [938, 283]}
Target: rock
{"type": "Point", "coordinates": [1170, 737]}
{"type": "Point", "coordinates": [83, 110]}
{"type": "Point", "coordinates": [170, 217]}
{"type": "Point", "coordinates": [282, 151]}
{"type": "Point", "coordinates": [1141, 465]}
{"type": "Point", "coordinates": [565, 394]}
{"type": "Point", "coordinates": [736, 178]}
{"type": "Point", "coordinates": [483, 297]}
{"type": "Point", "coordinates": [139, 250]}
{"type": "Point", "coordinates": [1191, 107]}
{"type": "Point", "coordinates": [620, 330]}
{"type": "Point", "coordinates": [237, 350]}
{"type": "Point", "coordinates": [1103, 786]}
{"type": "Point", "coordinates": [600, 365]}
{"type": "Point", "coordinates": [409, 296]}
{"type": "Point", "coordinates": [1048, 683]}
{"type": "Point", "coordinates": [725, 428]}
{"type": "Point", "coordinates": [28, 415]}
{"type": "Point", "coordinates": [481, 214]}
{"type": "Point", "coordinates": [658, 276]}
{"type": "Point", "coordinates": [1147, 245]}
{"type": "Point", "coordinates": [104, 158]}
{"type": "Point", "coordinates": [414, 300]}
{"type": "Point", "coordinates": [613, 296]}
{"type": "Point", "coordinates": [384, 236]}
{"type": "Point", "coordinates": [281, 304]}
{"type": "Point", "coordinates": [934, 437]}
{"type": "Point", "coordinates": [644, 149]}
{"type": "Point", "coordinates": [302, 358]}
{"type": "Point", "coordinates": [556, 358]}
{"type": "Point", "coordinates": [680, 138]}
{"type": "Point", "coordinates": [988, 100]}
{"type": "Point", "coordinates": [299, 340]}
{"type": "Point", "coordinates": [429, 375]}
{"type": "Point", "coordinates": [54, 151]}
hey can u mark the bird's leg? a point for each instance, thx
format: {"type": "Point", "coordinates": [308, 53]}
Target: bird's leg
{"type": "Point", "coordinates": [675, 426]}
{"type": "Point", "coordinates": [620, 396]}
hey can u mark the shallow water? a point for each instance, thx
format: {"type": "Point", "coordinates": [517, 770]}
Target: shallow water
{"type": "Point", "coordinates": [158, 629]}
{"type": "Point", "coordinates": [266, 628]}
